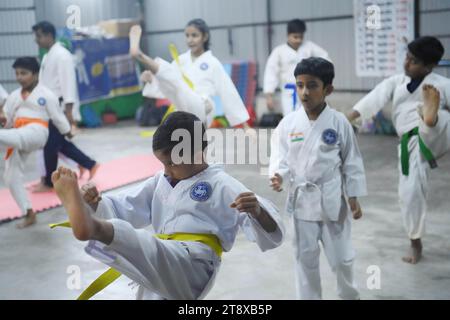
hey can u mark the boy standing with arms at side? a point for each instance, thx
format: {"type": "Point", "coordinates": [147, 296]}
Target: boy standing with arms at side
{"type": "Point", "coordinates": [421, 100]}
{"type": "Point", "coordinates": [315, 151]}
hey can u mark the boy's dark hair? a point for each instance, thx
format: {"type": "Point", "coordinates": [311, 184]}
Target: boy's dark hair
{"type": "Point", "coordinates": [162, 139]}
{"type": "Point", "coordinates": [28, 63]}
{"type": "Point", "coordinates": [201, 25]}
{"type": "Point", "coordinates": [318, 67]}
{"type": "Point", "coordinates": [46, 28]}
{"type": "Point", "coordinates": [427, 49]}
{"type": "Point", "coordinates": [296, 26]}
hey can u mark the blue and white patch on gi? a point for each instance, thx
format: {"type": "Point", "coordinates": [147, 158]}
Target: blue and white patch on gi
{"type": "Point", "coordinates": [330, 136]}
{"type": "Point", "coordinates": [204, 66]}
{"type": "Point", "coordinates": [42, 101]}
{"type": "Point", "coordinates": [201, 191]}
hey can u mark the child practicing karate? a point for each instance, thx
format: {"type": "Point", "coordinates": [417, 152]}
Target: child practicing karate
{"type": "Point", "coordinates": [25, 117]}
{"type": "Point", "coordinates": [281, 64]}
{"type": "Point", "coordinates": [195, 209]}
{"type": "Point", "coordinates": [421, 100]}
{"type": "Point", "coordinates": [315, 152]}
{"type": "Point", "coordinates": [194, 80]}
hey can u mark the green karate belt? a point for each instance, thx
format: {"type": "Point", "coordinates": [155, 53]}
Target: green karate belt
{"type": "Point", "coordinates": [404, 154]}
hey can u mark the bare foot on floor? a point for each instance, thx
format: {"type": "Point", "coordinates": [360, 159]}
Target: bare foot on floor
{"type": "Point", "coordinates": [41, 188]}
{"type": "Point", "coordinates": [93, 171]}
{"type": "Point", "coordinates": [82, 170]}
{"type": "Point", "coordinates": [135, 38]}
{"type": "Point", "coordinates": [30, 219]}
{"type": "Point", "coordinates": [416, 252]}
{"type": "Point", "coordinates": [431, 100]}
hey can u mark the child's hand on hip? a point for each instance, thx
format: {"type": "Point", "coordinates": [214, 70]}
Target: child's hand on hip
{"type": "Point", "coordinates": [247, 202]}
{"type": "Point", "coordinates": [91, 195]}
{"type": "Point", "coordinates": [355, 207]}
{"type": "Point", "coordinates": [276, 182]}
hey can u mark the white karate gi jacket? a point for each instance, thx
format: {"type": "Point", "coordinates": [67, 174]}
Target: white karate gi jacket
{"type": "Point", "coordinates": [320, 162]}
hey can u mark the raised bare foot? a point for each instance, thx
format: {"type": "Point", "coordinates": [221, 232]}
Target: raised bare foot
{"type": "Point", "coordinates": [416, 252]}
{"type": "Point", "coordinates": [30, 219]}
{"type": "Point", "coordinates": [41, 188]}
{"type": "Point", "coordinates": [431, 100]}
{"type": "Point", "coordinates": [135, 38]}
{"type": "Point", "coordinates": [65, 182]}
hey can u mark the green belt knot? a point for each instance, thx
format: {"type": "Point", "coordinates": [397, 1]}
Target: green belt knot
{"type": "Point", "coordinates": [404, 152]}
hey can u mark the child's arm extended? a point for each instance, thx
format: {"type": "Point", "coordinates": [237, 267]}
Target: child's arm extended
{"type": "Point", "coordinates": [247, 202]}
{"type": "Point", "coordinates": [375, 100]}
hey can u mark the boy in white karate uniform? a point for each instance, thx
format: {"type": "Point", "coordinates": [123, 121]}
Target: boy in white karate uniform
{"type": "Point", "coordinates": [421, 100]}
{"type": "Point", "coordinates": [315, 152]}
{"type": "Point", "coordinates": [280, 66]}
{"type": "Point", "coordinates": [201, 69]}
{"type": "Point", "coordinates": [195, 209]}
{"type": "Point", "coordinates": [25, 117]}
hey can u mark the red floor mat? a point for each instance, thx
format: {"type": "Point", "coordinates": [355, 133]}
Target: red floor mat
{"type": "Point", "coordinates": [110, 175]}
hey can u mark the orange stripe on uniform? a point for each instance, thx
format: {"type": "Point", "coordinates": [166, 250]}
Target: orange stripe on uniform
{"type": "Point", "coordinates": [21, 122]}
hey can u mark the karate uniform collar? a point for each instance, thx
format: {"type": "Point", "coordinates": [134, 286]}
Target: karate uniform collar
{"type": "Point", "coordinates": [205, 54]}
{"type": "Point", "coordinates": [187, 182]}
{"type": "Point", "coordinates": [55, 47]}
{"type": "Point", "coordinates": [324, 111]}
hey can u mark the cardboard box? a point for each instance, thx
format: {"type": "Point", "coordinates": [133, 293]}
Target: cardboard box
{"type": "Point", "coordinates": [118, 28]}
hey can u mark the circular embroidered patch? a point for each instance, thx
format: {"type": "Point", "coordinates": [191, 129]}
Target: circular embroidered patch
{"type": "Point", "coordinates": [204, 66]}
{"type": "Point", "coordinates": [42, 101]}
{"type": "Point", "coordinates": [201, 191]}
{"type": "Point", "coordinates": [330, 136]}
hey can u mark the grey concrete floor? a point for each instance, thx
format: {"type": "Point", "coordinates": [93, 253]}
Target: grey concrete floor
{"type": "Point", "coordinates": [37, 263]}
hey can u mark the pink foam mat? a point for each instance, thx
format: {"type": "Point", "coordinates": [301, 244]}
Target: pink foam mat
{"type": "Point", "coordinates": [110, 175]}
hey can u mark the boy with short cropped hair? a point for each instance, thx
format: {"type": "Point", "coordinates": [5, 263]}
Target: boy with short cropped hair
{"type": "Point", "coordinates": [282, 61]}
{"type": "Point", "coordinates": [195, 209]}
{"type": "Point", "coordinates": [421, 101]}
{"type": "Point", "coordinates": [315, 153]}
{"type": "Point", "coordinates": [25, 117]}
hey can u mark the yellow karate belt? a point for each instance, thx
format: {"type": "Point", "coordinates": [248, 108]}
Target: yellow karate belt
{"type": "Point", "coordinates": [176, 57]}
{"type": "Point", "coordinates": [110, 275]}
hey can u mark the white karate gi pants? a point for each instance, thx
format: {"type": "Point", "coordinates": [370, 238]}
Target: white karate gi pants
{"type": "Point", "coordinates": [336, 241]}
{"type": "Point", "coordinates": [164, 269]}
{"type": "Point", "coordinates": [24, 140]}
{"type": "Point", "coordinates": [413, 189]}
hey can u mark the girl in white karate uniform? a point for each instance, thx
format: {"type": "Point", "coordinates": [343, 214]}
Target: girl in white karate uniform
{"type": "Point", "coordinates": [205, 72]}
{"type": "Point", "coordinates": [196, 211]}
{"type": "Point", "coordinates": [421, 101]}
{"type": "Point", "coordinates": [315, 154]}
{"type": "Point", "coordinates": [25, 116]}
